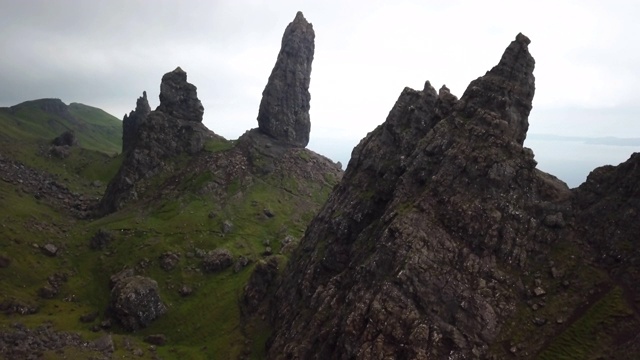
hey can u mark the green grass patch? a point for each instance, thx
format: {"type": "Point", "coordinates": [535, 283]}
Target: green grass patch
{"type": "Point", "coordinates": [585, 336]}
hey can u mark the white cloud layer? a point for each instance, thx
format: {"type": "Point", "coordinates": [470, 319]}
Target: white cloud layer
{"type": "Point", "coordinates": [105, 53]}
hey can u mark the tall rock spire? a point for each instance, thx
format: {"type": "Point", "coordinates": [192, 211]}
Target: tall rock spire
{"type": "Point", "coordinates": [284, 109]}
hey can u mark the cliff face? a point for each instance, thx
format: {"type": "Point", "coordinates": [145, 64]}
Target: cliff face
{"type": "Point", "coordinates": [284, 109]}
{"type": "Point", "coordinates": [430, 245]}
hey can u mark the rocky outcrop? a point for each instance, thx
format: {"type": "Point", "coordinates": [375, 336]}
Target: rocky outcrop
{"type": "Point", "coordinates": [131, 122]}
{"type": "Point", "coordinates": [174, 128]}
{"type": "Point", "coordinates": [178, 98]}
{"type": "Point", "coordinates": [438, 197]}
{"type": "Point", "coordinates": [284, 109]}
{"type": "Point", "coordinates": [217, 260]}
{"type": "Point", "coordinates": [135, 302]}
{"type": "Point", "coordinates": [67, 138]}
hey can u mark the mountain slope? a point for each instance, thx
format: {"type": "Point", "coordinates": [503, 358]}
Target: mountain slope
{"type": "Point", "coordinates": [443, 240]}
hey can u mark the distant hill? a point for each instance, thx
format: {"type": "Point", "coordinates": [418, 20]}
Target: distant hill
{"type": "Point", "coordinates": [42, 120]}
{"type": "Point", "coordinates": [606, 140]}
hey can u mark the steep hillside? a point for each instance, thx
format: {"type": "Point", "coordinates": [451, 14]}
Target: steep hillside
{"type": "Point", "coordinates": [443, 241]}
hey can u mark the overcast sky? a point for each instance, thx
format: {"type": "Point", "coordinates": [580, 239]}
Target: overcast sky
{"type": "Point", "coordinates": [105, 53]}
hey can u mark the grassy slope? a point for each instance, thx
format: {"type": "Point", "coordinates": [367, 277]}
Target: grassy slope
{"type": "Point", "coordinates": [204, 325]}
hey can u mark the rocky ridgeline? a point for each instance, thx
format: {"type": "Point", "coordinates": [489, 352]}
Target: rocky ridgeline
{"type": "Point", "coordinates": [284, 109]}
{"type": "Point", "coordinates": [429, 244]}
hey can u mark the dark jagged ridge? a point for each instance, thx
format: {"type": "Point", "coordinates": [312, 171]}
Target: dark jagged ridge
{"type": "Point", "coordinates": [131, 122]}
{"type": "Point", "coordinates": [424, 249]}
{"type": "Point", "coordinates": [284, 108]}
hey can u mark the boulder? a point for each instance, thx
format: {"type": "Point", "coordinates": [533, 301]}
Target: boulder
{"type": "Point", "coordinates": [67, 138]}
{"type": "Point", "coordinates": [217, 260]}
{"type": "Point", "coordinates": [135, 302]}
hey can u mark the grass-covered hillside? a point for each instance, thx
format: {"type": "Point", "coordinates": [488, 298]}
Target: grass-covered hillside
{"type": "Point", "coordinates": [249, 200]}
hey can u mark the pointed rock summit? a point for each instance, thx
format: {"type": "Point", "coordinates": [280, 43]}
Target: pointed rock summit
{"type": "Point", "coordinates": [284, 109]}
{"type": "Point", "coordinates": [178, 98]}
{"type": "Point", "coordinates": [131, 122]}
{"type": "Point", "coordinates": [507, 90]}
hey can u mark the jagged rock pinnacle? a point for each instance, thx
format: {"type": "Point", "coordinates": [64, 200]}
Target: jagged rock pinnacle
{"type": "Point", "coordinates": [149, 138]}
{"type": "Point", "coordinates": [284, 109]}
{"type": "Point", "coordinates": [131, 122]}
{"type": "Point", "coordinates": [506, 90]}
{"type": "Point", "coordinates": [178, 98]}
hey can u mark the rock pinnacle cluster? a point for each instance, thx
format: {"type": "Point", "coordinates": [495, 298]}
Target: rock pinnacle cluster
{"type": "Point", "coordinates": [284, 109]}
{"type": "Point", "coordinates": [151, 137]}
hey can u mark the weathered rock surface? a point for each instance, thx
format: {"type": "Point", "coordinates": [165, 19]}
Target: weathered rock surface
{"type": "Point", "coordinates": [174, 128]}
{"type": "Point", "coordinates": [284, 109]}
{"type": "Point", "coordinates": [135, 302]}
{"type": "Point", "coordinates": [131, 122]}
{"type": "Point", "coordinates": [428, 245]}
{"type": "Point", "coordinates": [178, 98]}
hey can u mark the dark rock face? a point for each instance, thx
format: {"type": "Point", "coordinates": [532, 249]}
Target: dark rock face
{"type": "Point", "coordinates": [261, 279]}
{"type": "Point", "coordinates": [438, 197]}
{"type": "Point", "coordinates": [284, 109]}
{"type": "Point", "coordinates": [131, 122]}
{"type": "Point", "coordinates": [135, 302]}
{"type": "Point", "coordinates": [608, 209]}
{"type": "Point", "coordinates": [173, 128]}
